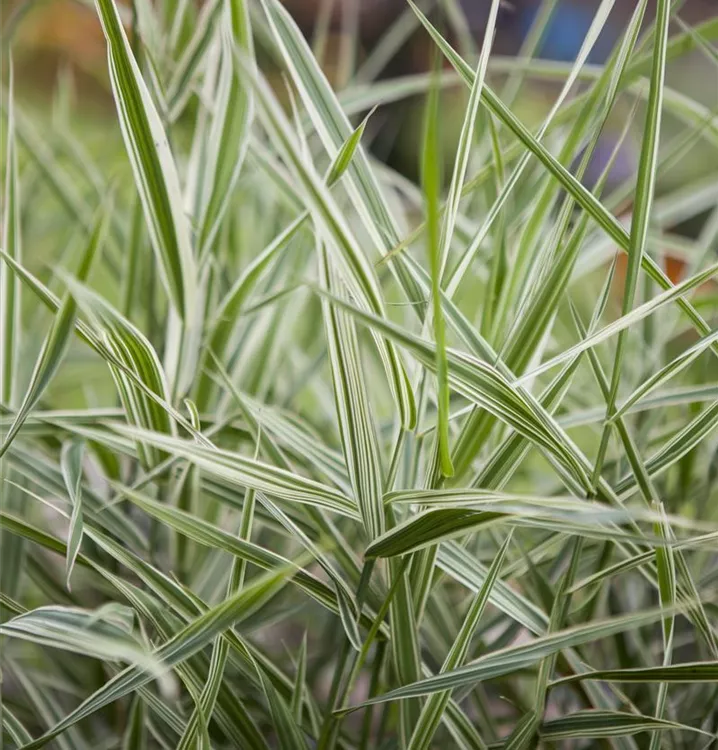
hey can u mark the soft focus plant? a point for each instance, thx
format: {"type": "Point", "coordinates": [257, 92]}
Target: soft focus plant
{"type": "Point", "coordinates": [298, 453]}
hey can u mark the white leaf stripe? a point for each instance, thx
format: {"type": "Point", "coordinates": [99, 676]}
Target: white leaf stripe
{"type": "Point", "coordinates": [677, 447]}
{"type": "Point", "coordinates": [691, 673]}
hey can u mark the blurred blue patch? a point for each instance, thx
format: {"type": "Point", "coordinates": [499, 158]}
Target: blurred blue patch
{"type": "Point", "coordinates": [561, 42]}
{"type": "Point", "coordinates": [624, 163]}
{"type": "Point", "coordinates": [566, 32]}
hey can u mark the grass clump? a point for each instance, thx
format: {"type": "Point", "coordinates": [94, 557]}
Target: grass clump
{"type": "Point", "coordinates": [299, 454]}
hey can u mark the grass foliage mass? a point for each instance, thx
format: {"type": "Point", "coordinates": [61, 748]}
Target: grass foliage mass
{"type": "Point", "coordinates": [299, 453]}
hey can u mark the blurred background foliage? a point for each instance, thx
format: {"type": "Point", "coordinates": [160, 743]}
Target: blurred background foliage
{"type": "Point", "coordinates": [60, 67]}
{"type": "Point", "coordinates": [56, 38]}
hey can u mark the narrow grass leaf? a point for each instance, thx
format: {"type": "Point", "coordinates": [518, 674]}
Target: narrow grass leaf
{"type": "Point", "coordinates": [329, 119]}
{"type": "Point", "coordinates": [348, 610]}
{"type": "Point", "coordinates": [696, 672]}
{"type": "Point", "coordinates": [432, 177]}
{"type": "Point", "coordinates": [233, 303]}
{"type": "Point", "coordinates": [71, 462]}
{"type": "Point", "coordinates": [58, 338]}
{"type": "Point", "coordinates": [205, 533]}
{"type": "Point", "coordinates": [354, 417]}
{"type": "Point", "coordinates": [333, 127]}
{"type": "Point", "coordinates": [237, 469]}
{"type": "Point", "coordinates": [682, 443]}
{"type": "Point", "coordinates": [643, 204]}
{"type": "Point", "coordinates": [101, 634]}
{"type": "Point", "coordinates": [128, 346]}
{"type": "Point", "coordinates": [355, 268]}
{"type": "Point", "coordinates": [228, 137]}
{"type": "Point", "coordinates": [507, 660]}
{"type": "Point", "coordinates": [288, 731]}
{"type": "Point", "coordinates": [582, 195]}
{"type": "Point", "coordinates": [508, 455]}
{"type": "Point", "coordinates": [180, 85]}
{"type": "Point", "coordinates": [578, 130]}
{"type": "Point", "coordinates": [466, 140]}
{"type": "Point", "coordinates": [626, 321]}
{"type": "Point", "coordinates": [485, 386]}
{"type": "Point", "coordinates": [297, 703]}
{"type": "Point", "coordinates": [15, 729]}
{"type": "Point", "coordinates": [441, 524]}
{"type": "Point", "coordinates": [187, 642]}
{"type": "Point", "coordinates": [196, 733]}
{"type": "Point", "coordinates": [345, 156]}
{"type": "Point", "coordinates": [152, 164]}
{"type": "Point", "coordinates": [525, 731]}
{"type": "Point", "coordinates": [668, 593]}
{"type": "Point", "coordinates": [594, 724]}
{"type": "Point", "coordinates": [435, 706]}
{"type": "Point", "coordinates": [667, 372]}
{"type": "Point", "coordinates": [10, 303]}
{"type": "Point", "coordinates": [135, 737]}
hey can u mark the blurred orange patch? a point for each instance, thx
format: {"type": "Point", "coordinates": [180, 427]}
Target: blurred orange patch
{"type": "Point", "coordinates": [674, 268]}
{"type": "Point", "coordinates": [66, 30]}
